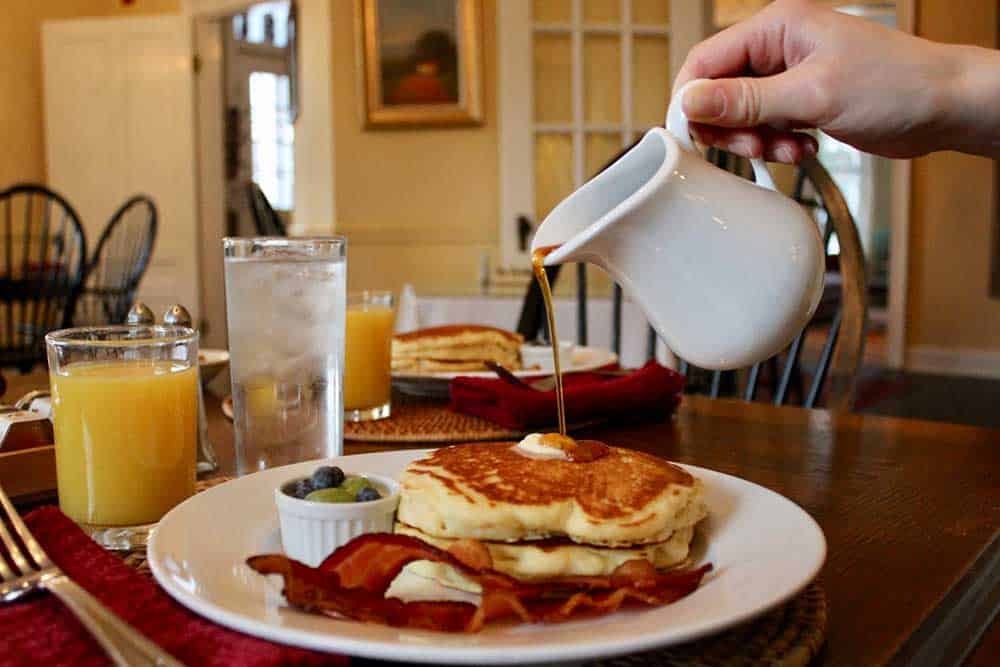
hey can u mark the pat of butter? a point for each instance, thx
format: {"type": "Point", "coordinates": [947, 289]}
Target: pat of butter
{"type": "Point", "coordinates": [535, 446]}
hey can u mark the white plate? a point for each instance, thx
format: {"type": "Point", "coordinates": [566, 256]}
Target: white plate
{"type": "Point", "coordinates": [212, 362]}
{"type": "Point", "coordinates": [584, 359]}
{"type": "Point", "coordinates": [764, 548]}
{"type": "Point", "coordinates": [436, 384]}
{"type": "Point", "coordinates": [211, 357]}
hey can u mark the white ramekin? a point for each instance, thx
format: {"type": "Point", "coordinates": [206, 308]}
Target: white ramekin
{"type": "Point", "coordinates": [311, 531]}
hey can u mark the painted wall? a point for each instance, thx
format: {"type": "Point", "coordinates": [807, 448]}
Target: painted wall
{"type": "Point", "coordinates": [416, 205]}
{"type": "Point", "coordinates": [953, 218]}
{"type": "Point", "coordinates": [21, 128]}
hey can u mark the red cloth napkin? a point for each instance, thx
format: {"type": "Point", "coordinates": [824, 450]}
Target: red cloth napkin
{"type": "Point", "coordinates": [39, 630]}
{"type": "Point", "coordinates": [652, 391]}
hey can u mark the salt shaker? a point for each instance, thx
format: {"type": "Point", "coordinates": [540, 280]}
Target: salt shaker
{"type": "Point", "coordinates": [140, 315]}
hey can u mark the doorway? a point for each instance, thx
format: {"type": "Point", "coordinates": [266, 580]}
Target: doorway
{"type": "Point", "coordinates": [259, 142]}
{"type": "Point", "coordinates": [313, 195]}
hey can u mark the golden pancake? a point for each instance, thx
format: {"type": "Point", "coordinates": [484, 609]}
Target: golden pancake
{"type": "Point", "coordinates": [459, 347]}
{"type": "Point", "coordinates": [530, 560]}
{"type": "Point", "coordinates": [494, 492]}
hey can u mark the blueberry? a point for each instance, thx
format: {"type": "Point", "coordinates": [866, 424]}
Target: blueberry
{"type": "Point", "coordinates": [301, 488]}
{"type": "Point", "coordinates": [326, 477]}
{"type": "Point", "coordinates": [367, 493]}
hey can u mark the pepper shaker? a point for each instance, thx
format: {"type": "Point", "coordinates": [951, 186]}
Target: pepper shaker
{"type": "Point", "coordinates": [178, 315]}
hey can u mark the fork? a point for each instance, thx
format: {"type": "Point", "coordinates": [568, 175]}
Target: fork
{"type": "Point", "coordinates": [124, 644]}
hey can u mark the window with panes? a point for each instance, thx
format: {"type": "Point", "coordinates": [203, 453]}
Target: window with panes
{"type": "Point", "coordinates": [599, 77]}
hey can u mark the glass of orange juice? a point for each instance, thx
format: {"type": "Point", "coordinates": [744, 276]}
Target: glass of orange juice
{"type": "Point", "coordinates": [368, 355]}
{"type": "Point", "coordinates": [125, 411]}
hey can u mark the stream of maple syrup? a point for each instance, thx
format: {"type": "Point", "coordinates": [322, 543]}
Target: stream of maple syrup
{"type": "Point", "coordinates": [538, 267]}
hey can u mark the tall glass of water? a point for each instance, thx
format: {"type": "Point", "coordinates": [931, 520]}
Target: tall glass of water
{"type": "Point", "coordinates": [286, 303]}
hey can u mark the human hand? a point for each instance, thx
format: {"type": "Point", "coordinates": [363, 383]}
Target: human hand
{"type": "Point", "coordinates": [794, 65]}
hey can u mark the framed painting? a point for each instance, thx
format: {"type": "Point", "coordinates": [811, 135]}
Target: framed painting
{"type": "Point", "coordinates": [422, 62]}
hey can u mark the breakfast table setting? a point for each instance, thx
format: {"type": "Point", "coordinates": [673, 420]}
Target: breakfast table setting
{"type": "Point", "coordinates": [458, 495]}
{"type": "Point", "coordinates": [910, 570]}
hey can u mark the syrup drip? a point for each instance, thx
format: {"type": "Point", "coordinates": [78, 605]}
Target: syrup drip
{"type": "Point", "coordinates": [538, 267]}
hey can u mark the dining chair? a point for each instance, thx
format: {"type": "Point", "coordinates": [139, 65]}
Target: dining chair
{"type": "Point", "coordinates": [266, 220]}
{"type": "Point", "coordinates": [118, 264]}
{"type": "Point", "coordinates": [44, 255]}
{"type": "Point", "coordinates": [841, 315]}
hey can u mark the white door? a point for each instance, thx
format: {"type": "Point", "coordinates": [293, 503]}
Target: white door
{"type": "Point", "coordinates": [258, 105]}
{"type": "Point", "coordinates": [579, 81]}
{"type": "Point", "coordinates": [119, 121]}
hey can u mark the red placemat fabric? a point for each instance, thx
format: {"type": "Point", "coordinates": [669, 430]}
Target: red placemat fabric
{"type": "Point", "coordinates": [650, 392]}
{"type": "Point", "coordinates": [39, 630]}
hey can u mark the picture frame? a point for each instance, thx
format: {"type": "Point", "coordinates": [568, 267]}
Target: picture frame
{"type": "Point", "coordinates": [421, 62]}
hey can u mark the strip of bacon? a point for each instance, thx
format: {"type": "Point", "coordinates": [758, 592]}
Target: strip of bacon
{"type": "Point", "coordinates": [353, 580]}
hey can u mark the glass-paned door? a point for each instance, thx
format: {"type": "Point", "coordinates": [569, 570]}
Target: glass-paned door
{"type": "Point", "coordinates": [260, 141]}
{"type": "Point", "coordinates": [587, 78]}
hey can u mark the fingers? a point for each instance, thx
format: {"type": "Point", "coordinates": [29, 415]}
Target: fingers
{"type": "Point", "coordinates": [772, 145]}
{"type": "Point", "coordinates": [784, 100]}
{"type": "Point", "coordinates": [754, 45]}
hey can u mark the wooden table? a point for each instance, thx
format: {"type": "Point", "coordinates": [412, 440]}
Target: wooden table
{"type": "Point", "coordinates": [911, 512]}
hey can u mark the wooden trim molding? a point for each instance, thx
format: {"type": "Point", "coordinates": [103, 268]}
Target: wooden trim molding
{"type": "Point", "coordinates": [899, 234]}
{"type": "Point", "coordinates": [995, 259]}
{"type": "Point", "coordinates": [315, 178]}
{"type": "Point", "coordinates": [954, 360]}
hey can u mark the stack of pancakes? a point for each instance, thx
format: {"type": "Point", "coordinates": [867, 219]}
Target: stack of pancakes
{"type": "Point", "coordinates": [542, 517]}
{"type": "Point", "coordinates": [455, 348]}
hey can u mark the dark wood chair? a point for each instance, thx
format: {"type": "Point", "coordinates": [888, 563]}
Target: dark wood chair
{"type": "Point", "coordinates": [839, 323]}
{"type": "Point", "coordinates": [118, 264]}
{"type": "Point", "coordinates": [44, 255]}
{"type": "Point", "coordinates": [840, 319]}
{"type": "Point", "coordinates": [266, 220]}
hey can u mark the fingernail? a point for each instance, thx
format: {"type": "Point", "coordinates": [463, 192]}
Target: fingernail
{"type": "Point", "coordinates": [742, 147]}
{"type": "Point", "coordinates": [704, 101]}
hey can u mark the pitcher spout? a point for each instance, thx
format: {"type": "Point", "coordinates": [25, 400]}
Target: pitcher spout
{"type": "Point", "coordinates": [606, 198]}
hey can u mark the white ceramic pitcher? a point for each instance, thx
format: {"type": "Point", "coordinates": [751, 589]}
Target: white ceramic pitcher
{"type": "Point", "coordinates": [727, 271]}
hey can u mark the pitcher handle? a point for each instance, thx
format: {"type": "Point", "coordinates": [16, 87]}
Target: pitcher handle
{"type": "Point", "coordinates": [677, 125]}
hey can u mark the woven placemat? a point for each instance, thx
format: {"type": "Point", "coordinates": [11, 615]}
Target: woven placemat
{"type": "Point", "coordinates": [422, 420]}
{"type": "Point", "coordinates": [790, 635]}
{"type": "Point", "coordinates": [425, 421]}
{"type": "Point", "coordinates": [417, 419]}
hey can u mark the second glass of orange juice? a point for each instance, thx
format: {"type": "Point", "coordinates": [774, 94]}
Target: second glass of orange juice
{"type": "Point", "coordinates": [125, 407]}
{"type": "Point", "coordinates": [368, 355]}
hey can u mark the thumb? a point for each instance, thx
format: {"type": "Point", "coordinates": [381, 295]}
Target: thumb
{"type": "Point", "coordinates": [748, 101]}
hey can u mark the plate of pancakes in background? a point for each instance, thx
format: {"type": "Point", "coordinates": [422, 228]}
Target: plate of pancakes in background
{"type": "Point", "coordinates": [425, 361]}
{"type": "Point", "coordinates": [538, 516]}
